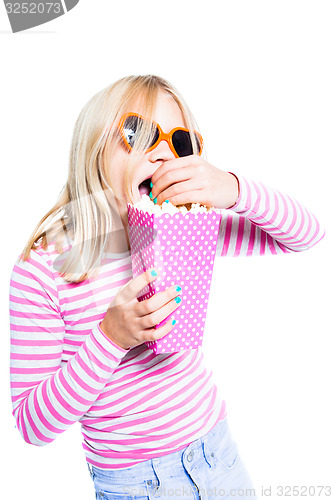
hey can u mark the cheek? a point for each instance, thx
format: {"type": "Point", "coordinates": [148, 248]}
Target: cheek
{"type": "Point", "coordinates": [117, 169]}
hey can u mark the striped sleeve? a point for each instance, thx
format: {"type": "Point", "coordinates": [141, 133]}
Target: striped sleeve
{"type": "Point", "coordinates": [49, 396]}
{"type": "Point", "coordinates": [265, 221]}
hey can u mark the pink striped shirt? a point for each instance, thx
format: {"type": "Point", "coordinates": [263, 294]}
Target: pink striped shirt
{"type": "Point", "coordinates": [133, 405]}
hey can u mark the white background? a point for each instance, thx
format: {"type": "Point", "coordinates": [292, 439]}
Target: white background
{"type": "Point", "coordinates": [258, 77]}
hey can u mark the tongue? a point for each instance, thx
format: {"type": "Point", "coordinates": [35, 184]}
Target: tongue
{"type": "Point", "coordinates": [144, 190]}
{"type": "Point", "coordinates": [144, 187]}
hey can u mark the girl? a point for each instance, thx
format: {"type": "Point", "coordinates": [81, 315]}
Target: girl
{"type": "Point", "coordinates": [152, 425]}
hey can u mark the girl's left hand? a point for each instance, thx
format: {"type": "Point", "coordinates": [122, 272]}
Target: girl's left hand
{"type": "Point", "coordinates": [191, 179]}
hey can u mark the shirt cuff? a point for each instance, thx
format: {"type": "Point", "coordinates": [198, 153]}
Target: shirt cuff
{"type": "Point", "coordinates": [116, 346]}
{"type": "Point", "coordinates": [239, 191]}
{"type": "Point", "coordinates": [244, 197]}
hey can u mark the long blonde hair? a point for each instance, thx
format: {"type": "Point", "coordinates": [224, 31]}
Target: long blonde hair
{"type": "Point", "coordinates": [85, 212]}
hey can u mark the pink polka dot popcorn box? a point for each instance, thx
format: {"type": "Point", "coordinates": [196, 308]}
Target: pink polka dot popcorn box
{"type": "Point", "coordinates": [181, 245]}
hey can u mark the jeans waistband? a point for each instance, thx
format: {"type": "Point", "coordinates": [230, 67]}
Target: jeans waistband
{"type": "Point", "coordinates": [171, 461]}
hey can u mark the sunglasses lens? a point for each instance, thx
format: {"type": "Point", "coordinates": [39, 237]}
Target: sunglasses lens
{"type": "Point", "coordinates": [132, 127]}
{"type": "Point", "coordinates": [181, 141]}
{"type": "Point", "coordinates": [155, 137]}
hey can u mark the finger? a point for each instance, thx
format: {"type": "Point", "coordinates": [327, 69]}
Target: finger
{"type": "Point", "coordinates": [158, 300]}
{"type": "Point", "coordinates": [152, 334]}
{"type": "Point", "coordinates": [183, 192]}
{"type": "Point", "coordinates": [195, 196]}
{"type": "Point", "coordinates": [134, 287]}
{"type": "Point", "coordinates": [156, 317]}
{"type": "Point", "coordinates": [170, 177]}
{"type": "Point", "coordinates": [174, 164]}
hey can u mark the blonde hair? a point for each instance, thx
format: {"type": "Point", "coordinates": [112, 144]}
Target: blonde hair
{"type": "Point", "coordinates": [86, 211]}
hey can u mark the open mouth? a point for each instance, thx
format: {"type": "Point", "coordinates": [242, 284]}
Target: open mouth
{"type": "Point", "coordinates": [144, 187]}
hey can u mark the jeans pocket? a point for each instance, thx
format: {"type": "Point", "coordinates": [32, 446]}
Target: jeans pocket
{"type": "Point", "coordinates": [227, 455]}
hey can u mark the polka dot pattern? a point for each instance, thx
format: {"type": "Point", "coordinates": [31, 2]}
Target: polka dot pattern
{"type": "Point", "coordinates": [182, 248]}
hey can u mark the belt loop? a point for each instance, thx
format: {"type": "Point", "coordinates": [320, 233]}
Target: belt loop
{"type": "Point", "coordinates": [91, 472]}
{"type": "Point", "coordinates": [155, 464]}
{"type": "Point", "coordinates": [208, 451]}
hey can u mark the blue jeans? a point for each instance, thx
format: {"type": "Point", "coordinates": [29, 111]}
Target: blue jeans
{"type": "Point", "coordinates": [209, 468]}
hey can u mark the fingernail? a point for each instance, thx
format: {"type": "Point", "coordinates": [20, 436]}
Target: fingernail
{"type": "Point", "coordinates": [178, 288]}
{"type": "Point", "coordinates": [174, 321]}
{"type": "Point", "coordinates": [150, 195]}
{"type": "Point", "coordinates": [151, 184]}
{"type": "Point", "coordinates": [153, 272]}
{"type": "Point", "coordinates": [178, 300]}
{"type": "Point", "coordinates": [166, 201]}
{"type": "Point", "coordinates": [155, 200]}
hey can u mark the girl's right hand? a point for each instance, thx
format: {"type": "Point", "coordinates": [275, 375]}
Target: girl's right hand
{"type": "Point", "coordinates": [129, 322]}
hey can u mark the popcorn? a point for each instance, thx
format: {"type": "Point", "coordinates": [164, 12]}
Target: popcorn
{"type": "Point", "coordinates": [181, 245]}
{"type": "Point", "coordinates": [147, 205]}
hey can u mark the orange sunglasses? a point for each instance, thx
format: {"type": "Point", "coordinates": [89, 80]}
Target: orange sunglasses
{"type": "Point", "coordinates": [178, 138]}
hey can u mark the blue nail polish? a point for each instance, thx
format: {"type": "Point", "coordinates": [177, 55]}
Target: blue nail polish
{"type": "Point", "coordinates": [150, 195]}
{"type": "Point", "coordinates": [178, 300]}
{"type": "Point", "coordinates": [151, 184]}
{"type": "Point", "coordinates": [154, 273]}
{"type": "Point", "coordinates": [178, 288]}
{"type": "Point", "coordinates": [174, 321]}
{"type": "Point", "coordinates": [155, 200]}
{"type": "Point", "coordinates": [166, 201]}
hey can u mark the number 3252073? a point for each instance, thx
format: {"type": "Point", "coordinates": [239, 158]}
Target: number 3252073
{"type": "Point", "coordinates": [33, 8]}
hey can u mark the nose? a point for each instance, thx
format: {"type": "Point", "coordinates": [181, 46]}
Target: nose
{"type": "Point", "coordinates": [162, 152]}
